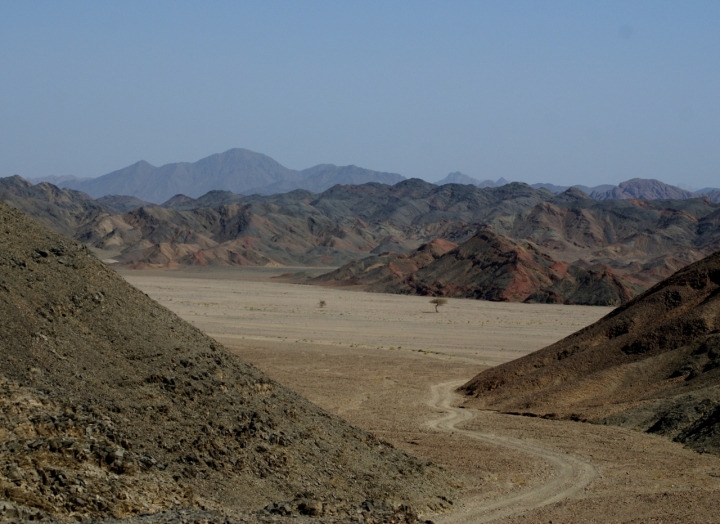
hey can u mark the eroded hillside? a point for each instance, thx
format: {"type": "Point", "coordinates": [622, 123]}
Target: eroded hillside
{"type": "Point", "coordinates": [652, 364]}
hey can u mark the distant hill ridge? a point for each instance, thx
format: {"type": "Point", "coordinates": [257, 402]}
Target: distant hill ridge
{"type": "Point", "coordinates": [486, 266]}
{"type": "Point", "coordinates": [246, 172]}
{"type": "Point", "coordinates": [237, 170]}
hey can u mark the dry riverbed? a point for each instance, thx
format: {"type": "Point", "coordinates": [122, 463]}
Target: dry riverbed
{"type": "Point", "coordinates": [380, 361]}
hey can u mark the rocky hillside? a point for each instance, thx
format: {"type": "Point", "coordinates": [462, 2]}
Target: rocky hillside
{"type": "Point", "coordinates": [110, 405]}
{"type": "Point", "coordinates": [487, 266]}
{"type": "Point", "coordinates": [379, 273]}
{"type": "Point", "coordinates": [652, 364]}
{"type": "Point", "coordinates": [62, 210]}
{"type": "Point", "coordinates": [295, 228]}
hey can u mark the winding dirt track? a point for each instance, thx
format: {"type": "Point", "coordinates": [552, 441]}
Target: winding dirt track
{"type": "Point", "coordinates": [570, 477]}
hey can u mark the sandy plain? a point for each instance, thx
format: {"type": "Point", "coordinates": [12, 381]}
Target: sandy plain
{"type": "Point", "coordinates": [389, 364]}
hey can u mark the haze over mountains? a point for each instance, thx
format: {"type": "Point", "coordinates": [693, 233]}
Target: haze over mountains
{"type": "Point", "coordinates": [236, 170]}
{"type": "Point", "coordinates": [549, 243]}
{"type": "Point", "coordinates": [246, 172]}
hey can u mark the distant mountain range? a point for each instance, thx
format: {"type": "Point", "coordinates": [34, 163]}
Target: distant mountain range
{"type": "Point", "coordinates": [244, 172]}
{"type": "Point", "coordinates": [566, 248]}
{"type": "Point", "coordinates": [460, 178]}
{"type": "Point", "coordinates": [237, 170]}
{"type": "Point", "coordinates": [645, 189]}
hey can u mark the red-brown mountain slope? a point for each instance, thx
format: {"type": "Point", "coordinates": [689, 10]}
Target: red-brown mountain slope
{"type": "Point", "coordinates": [653, 363]}
{"type": "Point", "coordinates": [487, 266]}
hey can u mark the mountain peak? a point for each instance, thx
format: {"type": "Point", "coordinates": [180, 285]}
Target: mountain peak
{"type": "Point", "coordinates": [645, 189]}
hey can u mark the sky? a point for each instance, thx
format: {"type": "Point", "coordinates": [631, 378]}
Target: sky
{"type": "Point", "coordinates": [566, 92]}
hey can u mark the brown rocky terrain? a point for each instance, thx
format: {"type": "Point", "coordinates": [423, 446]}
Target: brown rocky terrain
{"type": "Point", "coordinates": [296, 228]}
{"type": "Point", "coordinates": [62, 210]}
{"type": "Point", "coordinates": [112, 406]}
{"type": "Point", "coordinates": [638, 241]}
{"type": "Point", "coordinates": [652, 364]}
{"type": "Point", "coordinates": [383, 272]}
{"type": "Point", "coordinates": [488, 267]}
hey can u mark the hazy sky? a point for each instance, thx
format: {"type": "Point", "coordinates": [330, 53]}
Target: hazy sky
{"type": "Point", "coordinates": [563, 92]}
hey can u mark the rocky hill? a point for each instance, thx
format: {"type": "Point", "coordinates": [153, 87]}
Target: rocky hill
{"type": "Point", "coordinates": [382, 272]}
{"type": "Point", "coordinates": [486, 266]}
{"type": "Point", "coordinates": [652, 364]}
{"type": "Point", "coordinates": [110, 405]}
{"type": "Point", "coordinates": [62, 210]}
{"type": "Point", "coordinates": [295, 228]}
{"type": "Point", "coordinates": [236, 170]}
{"type": "Point", "coordinates": [712, 194]}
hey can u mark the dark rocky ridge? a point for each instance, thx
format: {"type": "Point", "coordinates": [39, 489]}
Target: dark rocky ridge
{"type": "Point", "coordinates": [652, 364]}
{"type": "Point", "coordinates": [110, 405]}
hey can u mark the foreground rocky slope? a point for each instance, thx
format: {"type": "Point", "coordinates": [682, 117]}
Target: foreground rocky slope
{"type": "Point", "coordinates": [110, 405]}
{"type": "Point", "coordinates": [488, 267]}
{"type": "Point", "coordinates": [652, 364]}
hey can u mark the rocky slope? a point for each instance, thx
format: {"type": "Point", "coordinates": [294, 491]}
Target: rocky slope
{"type": "Point", "coordinates": [62, 210]}
{"type": "Point", "coordinates": [644, 240]}
{"type": "Point", "coordinates": [379, 273]}
{"type": "Point", "coordinates": [110, 405]}
{"type": "Point", "coordinates": [295, 228]}
{"type": "Point", "coordinates": [487, 266]}
{"type": "Point", "coordinates": [652, 364]}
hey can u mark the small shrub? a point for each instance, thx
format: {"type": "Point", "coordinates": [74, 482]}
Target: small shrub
{"type": "Point", "coordinates": [437, 302]}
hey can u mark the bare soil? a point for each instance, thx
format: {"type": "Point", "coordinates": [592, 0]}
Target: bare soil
{"type": "Point", "coordinates": [387, 364]}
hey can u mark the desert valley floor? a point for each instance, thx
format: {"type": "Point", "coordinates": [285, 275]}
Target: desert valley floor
{"type": "Point", "coordinates": [389, 364]}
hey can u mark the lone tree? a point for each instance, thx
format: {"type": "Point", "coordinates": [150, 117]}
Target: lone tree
{"type": "Point", "coordinates": [322, 304]}
{"type": "Point", "coordinates": [437, 302]}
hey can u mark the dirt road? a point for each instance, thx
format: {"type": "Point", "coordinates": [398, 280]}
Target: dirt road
{"type": "Point", "coordinates": [570, 474]}
{"type": "Point", "coordinates": [374, 359]}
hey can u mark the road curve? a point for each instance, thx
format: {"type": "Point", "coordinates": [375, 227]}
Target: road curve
{"type": "Point", "coordinates": [570, 474]}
